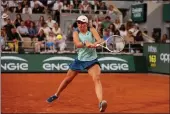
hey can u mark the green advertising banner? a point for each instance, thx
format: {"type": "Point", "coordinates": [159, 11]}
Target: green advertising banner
{"type": "Point", "coordinates": [158, 57]}
{"type": "Point", "coordinates": [139, 13]}
{"type": "Point", "coordinates": [60, 63]}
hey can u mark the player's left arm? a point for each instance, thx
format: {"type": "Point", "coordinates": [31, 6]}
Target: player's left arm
{"type": "Point", "coordinates": [96, 35]}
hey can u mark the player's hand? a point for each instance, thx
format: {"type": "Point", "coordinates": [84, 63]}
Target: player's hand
{"type": "Point", "coordinates": [90, 45]}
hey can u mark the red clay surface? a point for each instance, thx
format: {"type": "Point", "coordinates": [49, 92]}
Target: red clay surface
{"type": "Point", "coordinates": [130, 93]}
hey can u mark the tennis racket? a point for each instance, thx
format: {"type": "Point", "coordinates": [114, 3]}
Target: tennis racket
{"type": "Point", "coordinates": [114, 44]}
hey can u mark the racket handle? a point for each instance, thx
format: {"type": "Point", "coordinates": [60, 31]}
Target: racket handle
{"type": "Point", "coordinates": [97, 45]}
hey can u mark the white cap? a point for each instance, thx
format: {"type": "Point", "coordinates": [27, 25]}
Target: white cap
{"type": "Point", "coordinates": [82, 18]}
{"type": "Point", "coordinates": [4, 16]}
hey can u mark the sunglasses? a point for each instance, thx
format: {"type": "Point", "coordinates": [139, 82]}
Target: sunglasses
{"type": "Point", "coordinates": [80, 22]}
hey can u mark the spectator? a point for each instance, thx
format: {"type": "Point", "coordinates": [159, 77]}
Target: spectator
{"type": "Point", "coordinates": [40, 22]}
{"type": "Point", "coordinates": [103, 8]}
{"type": "Point", "coordinates": [123, 31]}
{"type": "Point", "coordinates": [4, 3]}
{"type": "Point", "coordinates": [112, 29]}
{"type": "Point", "coordinates": [164, 39]}
{"type": "Point", "coordinates": [41, 41]}
{"type": "Point", "coordinates": [139, 37]}
{"type": "Point", "coordinates": [27, 10]}
{"type": "Point", "coordinates": [96, 7]}
{"type": "Point", "coordinates": [33, 2]}
{"type": "Point", "coordinates": [4, 19]}
{"type": "Point", "coordinates": [56, 10]}
{"type": "Point", "coordinates": [8, 28]}
{"type": "Point", "coordinates": [28, 21]}
{"type": "Point", "coordinates": [19, 8]}
{"type": "Point", "coordinates": [2, 40]}
{"type": "Point", "coordinates": [14, 41]}
{"type": "Point", "coordinates": [25, 2]}
{"type": "Point", "coordinates": [76, 6]}
{"type": "Point", "coordinates": [51, 42]}
{"type": "Point", "coordinates": [66, 7]}
{"type": "Point", "coordinates": [85, 7]}
{"type": "Point", "coordinates": [32, 30]}
{"type": "Point", "coordinates": [61, 43]}
{"type": "Point", "coordinates": [117, 23]}
{"type": "Point", "coordinates": [17, 21]}
{"type": "Point", "coordinates": [56, 29]}
{"type": "Point", "coordinates": [50, 22]}
{"type": "Point", "coordinates": [37, 9]}
{"type": "Point", "coordinates": [23, 30]}
{"type": "Point", "coordinates": [106, 23]}
{"type": "Point", "coordinates": [12, 4]}
{"type": "Point", "coordinates": [46, 29]}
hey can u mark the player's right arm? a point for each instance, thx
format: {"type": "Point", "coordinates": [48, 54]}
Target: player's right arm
{"type": "Point", "coordinates": [76, 40]}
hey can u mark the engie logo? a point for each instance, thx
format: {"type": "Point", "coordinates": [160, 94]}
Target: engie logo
{"type": "Point", "coordinates": [113, 63]}
{"type": "Point", "coordinates": [165, 57]}
{"type": "Point", "coordinates": [13, 63]}
{"type": "Point", "coordinates": [61, 64]}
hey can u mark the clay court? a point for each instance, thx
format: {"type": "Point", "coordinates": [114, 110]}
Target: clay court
{"type": "Point", "coordinates": [124, 92]}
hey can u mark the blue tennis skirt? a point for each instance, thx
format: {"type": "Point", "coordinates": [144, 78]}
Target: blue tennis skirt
{"type": "Point", "coordinates": [83, 65]}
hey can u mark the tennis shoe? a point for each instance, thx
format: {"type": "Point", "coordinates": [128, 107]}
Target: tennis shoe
{"type": "Point", "coordinates": [102, 106]}
{"type": "Point", "coordinates": [52, 98]}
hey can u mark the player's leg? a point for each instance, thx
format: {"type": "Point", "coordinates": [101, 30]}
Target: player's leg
{"type": "Point", "coordinates": [95, 72]}
{"type": "Point", "coordinates": [69, 77]}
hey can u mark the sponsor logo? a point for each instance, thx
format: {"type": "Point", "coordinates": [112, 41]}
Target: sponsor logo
{"type": "Point", "coordinates": [165, 57]}
{"type": "Point", "coordinates": [113, 64]}
{"type": "Point", "coordinates": [152, 49]}
{"type": "Point", "coordinates": [152, 60]}
{"type": "Point", "coordinates": [13, 63]}
{"type": "Point", "coordinates": [49, 66]}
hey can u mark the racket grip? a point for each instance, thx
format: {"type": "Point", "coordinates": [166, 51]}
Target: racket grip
{"type": "Point", "coordinates": [97, 45]}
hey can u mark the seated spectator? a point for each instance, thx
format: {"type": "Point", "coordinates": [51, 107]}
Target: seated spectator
{"type": "Point", "coordinates": [17, 21]}
{"type": "Point", "coordinates": [123, 31]}
{"type": "Point", "coordinates": [103, 7]}
{"type": "Point", "coordinates": [8, 28]}
{"type": "Point", "coordinates": [106, 22]}
{"type": "Point", "coordinates": [96, 7]}
{"type": "Point", "coordinates": [14, 41]}
{"type": "Point", "coordinates": [28, 21]}
{"type": "Point", "coordinates": [27, 10]}
{"type": "Point", "coordinates": [33, 2]}
{"type": "Point", "coordinates": [19, 8]}
{"type": "Point", "coordinates": [85, 7]}
{"type": "Point", "coordinates": [75, 6]}
{"type": "Point", "coordinates": [50, 43]}
{"type": "Point", "coordinates": [25, 2]}
{"type": "Point", "coordinates": [56, 29]}
{"type": "Point", "coordinates": [23, 30]}
{"type": "Point", "coordinates": [2, 40]}
{"type": "Point", "coordinates": [37, 9]}
{"type": "Point", "coordinates": [139, 37]}
{"type": "Point", "coordinates": [117, 23]}
{"type": "Point", "coordinates": [40, 22]}
{"type": "Point", "coordinates": [61, 42]}
{"type": "Point", "coordinates": [4, 19]}
{"type": "Point", "coordinates": [112, 29]}
{"type": "Point", "coordinates": [66, 7]}
{"type": "Point", "coordinates": [12, 4]}
{"type": "Point", "coordinates": [50, 22]}
{"type": "Point", "coordinates": [32, 30]}
{"type": "Point", "coordinates": [4, 3]}
{"type": "Point", "coordinates": [164, 39]}
{"type": "Point", "coordinates": [46, 29]}
{"type": "Point", "coordinates": [41, 41]}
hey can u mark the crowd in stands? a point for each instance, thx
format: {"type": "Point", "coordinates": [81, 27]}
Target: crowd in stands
{"type": "Point", "coordinates": [43, 34]}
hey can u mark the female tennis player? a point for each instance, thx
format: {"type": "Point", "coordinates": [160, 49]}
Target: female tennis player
{"type": "Point", "coordinates": [87, 59]}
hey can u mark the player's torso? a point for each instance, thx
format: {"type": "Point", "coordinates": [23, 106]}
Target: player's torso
{"type": "Point", "coordinates": [86, 54]}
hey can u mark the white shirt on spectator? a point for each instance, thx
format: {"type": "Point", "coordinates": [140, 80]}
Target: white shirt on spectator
{"type": "Point", "coordinates": [3, 22]}
{"type": "Point", "coordinates": [12, 4]}
{"type": "Point", "coordinates": [123, 33]}
{"type": "Point", "coordinates": [46, 30]}
{"type": "Point", "coordinates": [57, 5]}
{"type": "Point", "coordinates": [27, 11]}
{"type": "Point", "coordinates": [22, 29]}
{"type": "Point", "coordinates": [58, 31]}
{"type": "Point", "coordinates": [36, 2]}
{"type": "Point", "coordinates": [50, 23]}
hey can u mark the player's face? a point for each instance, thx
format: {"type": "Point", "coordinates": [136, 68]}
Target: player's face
{"type": "Point", "coordinates": [82, 25]}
